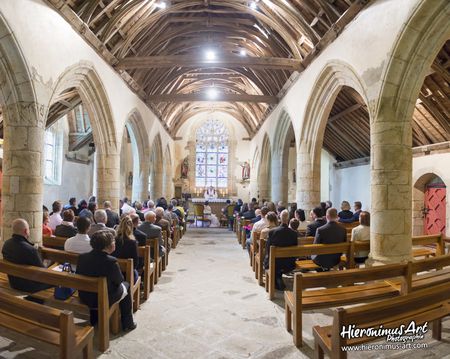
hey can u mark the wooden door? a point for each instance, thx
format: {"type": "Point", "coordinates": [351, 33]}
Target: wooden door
{"type": "Point", "coordinates": [435, 204]}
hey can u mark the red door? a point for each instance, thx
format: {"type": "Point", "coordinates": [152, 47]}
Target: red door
{"type": "Point", "coordinates": [435, 203]}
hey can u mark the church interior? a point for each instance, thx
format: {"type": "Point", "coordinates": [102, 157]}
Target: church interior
{"type": "Point", "coordinates": [224, 179]}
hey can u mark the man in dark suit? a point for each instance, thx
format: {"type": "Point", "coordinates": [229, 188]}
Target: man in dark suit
{"type": "Point", "coordinates": [330, 233]}
{"type": "Point", "coordinates": [66, 228]}
{"type": "Point", "coordinates": [112, 217]}
{"type": "Point", "coordinates": [282, 236]}
{"type": "Point", "coordinates": [19, 251]}
{"type": "Point", "coordinates": [99, 263]}
{"type": "Point", "coordinates": [152, 231]}
{"type": "Point", "coordinates": [318, 221]}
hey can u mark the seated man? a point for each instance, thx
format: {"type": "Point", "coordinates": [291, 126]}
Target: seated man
{"type": "Point", "coordinates": [112, 217]}
{"type": "Point", "coordinates": [318, 221]}
{"type": "Point", "coordinates": [18, 250]}
{"type": "Point", "coordinates": [99, 263]}
{"type": "Point", "coordinates": [152, 231]}
{"type": "Point", "coordinates": [66, 228]}
{"type": "Point", "coordinates": [330, 233]}
{"type": "Point", "coordinates": [281, 236]}
{"type": "Point", "coordinates": [355, 218]}
{"type": "Point", "coordinates": [139, 235]}
{"type": "Point", "coordinates": [80, 243]}
{"type": "Point", "coordinates": [100, 218]}
{"type": "Point", "coordinates": [258, 226]}
{"type": "Point", "coordinates": [163, 223]}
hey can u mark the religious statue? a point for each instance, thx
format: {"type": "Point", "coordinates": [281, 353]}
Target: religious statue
{"type": "Point", "coordinates": [185, 168]}
{"type": "Point", "coordinates": [245, 171]}
{"type": "Point", "coordinates": [210, 192]}
{"type": "Point", "coordinates": [130, 179]}
{"type": "Point", "coordinates": [294, 176]}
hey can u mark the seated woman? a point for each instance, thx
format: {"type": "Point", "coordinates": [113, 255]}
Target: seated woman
{"type": "Point", "coordinates": [126, 244]}
{"type": "Point", "coordinates": [99, 263]}
{"type": "Point", "coordinates": [345, 212]}
{"type": "Point", "coordinates": [300, 215]}
{"type": "Point", "coordinates": [208, 214]}
{"type": "Point", "coordinates": [272, 222]}
{"type": "Point", "coordinates": [46, 230]}
{"type": "Point", "coordinates": [362, 233]}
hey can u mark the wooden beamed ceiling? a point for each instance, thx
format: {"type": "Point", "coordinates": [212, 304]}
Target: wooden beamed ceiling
{"type": "Point", "coordinates": [159, 47]}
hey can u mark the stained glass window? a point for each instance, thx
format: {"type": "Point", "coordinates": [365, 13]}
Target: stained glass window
{"type": "Point", "coordinates": [211, 158]}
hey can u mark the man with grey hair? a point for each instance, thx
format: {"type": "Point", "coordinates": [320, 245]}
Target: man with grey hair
{"type": "Point", "coordinates": [163, 222]}
{"type": "Point", "coordinates": [19, 250]}
{"type": "Point", "coordinates": [282, 236]}
{"type": "Point", "coordinates": [152, 231]}
{"type": "Point", "coordinates": [150, 206]}
{"type": "Point", "coordinates": [113, 217]}
{"type": "Point", "coordinates": [100, 218]}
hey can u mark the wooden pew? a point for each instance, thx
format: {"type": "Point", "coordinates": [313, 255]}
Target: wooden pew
{"type": "Point", "coordinates": [165, 262]}
{"type": "Point", "coordinates": [243, 240]}
{"type": "Point", "coordinates": [427, 305]}
{"type": "Point", "coordinates": [343, 291]}
{"type": "Point", "coordinates": [54, 242]}
{"type": "Point", "coordinates": [254, 248]}
{"type": "Point", "coordinates": [126, 266]}
{"type": "Point", "coordinates": [88, 284]}
{"type": "Point", "coordinates": [154, 245]}
{"type": "Point", "coordinates": [147, 272]}
{"type": "Point", "coordinates": [46, 324]}
{"type": "Point", "coordinates": [431, 245]}
{"type": "Point", "coordinates": [299, 251]}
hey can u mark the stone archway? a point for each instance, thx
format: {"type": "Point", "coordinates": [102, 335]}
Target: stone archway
{"type": "Point", "coordinates": [140, 149]}
{"type": "Point", "coordinates": [416, 47]}
{"type": "Point", "coordinates": [283, 136]}
{"type": "Point", "coordinates": [168, 174]}
{"type": "Point", "coordinates": [84, 79]}
{"type": "Point", "coordinates": [156, 169]}
{"type": "Point", "coordinates": [332, 79]}
{"type": "Point", "coordinates": [264, 170]}
{"type": "Point", "coordinates": [23, 129]}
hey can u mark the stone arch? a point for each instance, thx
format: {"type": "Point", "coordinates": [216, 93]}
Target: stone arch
{"type": "Point", "coordinates": [264, 169]}
{"type": "Point", "coordinates": [168, 173]}
{"type": "Point", "coordinates": [417, 45]}
{"type": "Point", "coordinates": [84, 79]}
{"type": "Point", "coordinates": [333, 77]}
{"type": "Point", "coordinates": [141, 154]}
{"type": "Point", "coordinates": [23, 129]}
{"type": "Point", "coordinates": [282, 138]}
{"type": "Point", "coordinates": [156, 169]}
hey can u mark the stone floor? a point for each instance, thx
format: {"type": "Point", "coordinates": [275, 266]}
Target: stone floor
{"type": "Point", "coordinates": [208, 305]}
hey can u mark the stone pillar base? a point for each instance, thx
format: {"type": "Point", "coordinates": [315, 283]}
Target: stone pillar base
{"type": "Point", "coordinates": [382, 260]}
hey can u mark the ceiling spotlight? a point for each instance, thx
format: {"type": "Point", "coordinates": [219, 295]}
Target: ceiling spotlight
{"type": "Point", "coordinates": [210, 55]}
{"type": "Point", "coordinates": [161, 5]}
{"type": "Point", "coordinates": [243, 52]}
{"type": "Point", "coordinates": [212, 93]}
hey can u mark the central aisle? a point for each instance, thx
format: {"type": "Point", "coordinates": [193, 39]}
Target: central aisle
{"type": "Point", "coordinates": [207, 304]}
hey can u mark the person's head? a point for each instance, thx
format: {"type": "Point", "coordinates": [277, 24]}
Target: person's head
{"type": "Point", "coordinates": [264, 211]}
{"type": "Point", "coordinates": [138, 205]}
{"type": "Point", "coordinates": [257, 212]}
{"type": "Point", "coordinates": [294, 223]}
{"type": "Point", "coordinates": [345, 206]}
{"type": "Point", "coordinates": [56, 206]}
{"type": "Point", "coordinates": [68, 215]}
{"type": "Point", "coordinates": [328, 204]}
{"type": "Point", "coordinates": [107, 205]}
{"type": "Point", "coordinates": [272, 219]}
{"type": "Point", "coordinates": [72, 201]}
{"type": "Point", "coordinates": [316, 213]}
{"type": "Point", "coordinates": [83, 225]}
{"type": "Point", "coordinates": [251, 206]}
{"type": "Point", "coordinates": [228, 201]}
{"type": "Point", "coordinates": [332, 215]}
{"type": "Point", "coordinates": [125, 200]}
{"type": "Point", "coordinates": [364, 218]}
{"type": "Point", "coordinates": [150, 217]}
{"type": "Point", "coordinates": [174, 202]}
{"type": "Point", "coordinates": [358, 206]}
{"type": "Point", "coordinates": [20, 227]}
{"type": "Point", "coordinates": [239, 202]}
{"type": "Point", "coordinates": [280, 204]}
{"type": "Point", "coordinates": [125, 229]}
{"type": "Point", "coordinates": [254, 200]}
{"type": "Point", "coordinates": [170, 207]}
{"type": "Point", "coordinates": [92, 206]}
{"type": "Point", "coordinates": [82, 204]}
{"type": "Point", "coordinates": [300, 214]}
{"type": "Point", "coordinates": [135, 219]}
{"type": "Point", "coordinates": [206, 203]}
{"type": "Point", "coordinates": [284, 217]}
{"type": "Point", "coordinates": [103, 241]}
{"type": "Point", "coordinates": [271, 206]}
{"type": "Point", "coordinates": [323, 205]}
{"type": "Point", "coordinates": [159, 211]}
{"type": "Point", "coordinates": [45, 217]}
{"type": "Point", "coordinates": [151, 204]}
{"type": "Point", "coordinates": [100, 216]}
{"type": "Point", "coordinates": [92, 199]}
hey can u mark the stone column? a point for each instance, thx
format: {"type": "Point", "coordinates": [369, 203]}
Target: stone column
{"type": "Point", "coordinates": [142, 185]}
{"type": "Point", "coordinates": [108, 179]}
{"type": "Point", "coordinates": [279, 180]}
{"type": "Point", "coordinates": [22, 189]}
{"type": "Point", "coordinates": [391, 177]}
{"type": "Point", "coordinates": [308, 179]}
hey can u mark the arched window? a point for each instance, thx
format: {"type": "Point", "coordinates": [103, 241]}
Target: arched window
{"type": "Point", "coordinates": [211, 160]}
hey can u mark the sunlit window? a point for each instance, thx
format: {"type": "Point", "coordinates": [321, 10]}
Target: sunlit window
{"type": "Point", "coordinates": [52, 155]}
{"type": "Point", "coordinates": [211, 160]}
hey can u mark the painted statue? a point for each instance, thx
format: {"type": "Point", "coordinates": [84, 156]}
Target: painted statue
{"type": "Point", "coordinates": [185, 168]}
{"type": "Point", "coordinates": [245, 171]}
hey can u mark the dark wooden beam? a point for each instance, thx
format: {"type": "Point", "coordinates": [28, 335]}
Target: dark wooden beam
{"type": "Point", "coordinates": [258, 63]}
{"type": "Point", "coordinates": [220, 98]}
{"type": "Point", "coordinates": [345, 112]}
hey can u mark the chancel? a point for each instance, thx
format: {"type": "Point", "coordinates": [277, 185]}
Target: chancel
{"type": "Point", "coordinates": [224, 179]}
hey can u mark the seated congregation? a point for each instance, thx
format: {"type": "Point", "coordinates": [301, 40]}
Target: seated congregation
{"type": "Point", "coordinates": [125, 251]}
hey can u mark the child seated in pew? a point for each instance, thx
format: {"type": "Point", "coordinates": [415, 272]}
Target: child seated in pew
{"type": "Point", "coordinates": [362, 233]}
{"type": "Point", "coordinates": [100, 263]}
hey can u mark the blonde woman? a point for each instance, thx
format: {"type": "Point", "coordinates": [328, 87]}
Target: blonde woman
{"type": "Point", "coordinates": [126, 245]}
{"type": "Point", "coordinates": [345, 212]}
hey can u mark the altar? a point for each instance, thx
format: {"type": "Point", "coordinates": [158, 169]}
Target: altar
{"type": "Point", "coordinates": [216, 204]}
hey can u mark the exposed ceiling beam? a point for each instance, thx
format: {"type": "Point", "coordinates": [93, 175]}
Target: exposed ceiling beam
{"type": "Point", "coordinates": [194, 97]}
{"type": "Point", "coordinates": [261, 63]}
{"type": "Point", "coordinates": [345, 112]}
